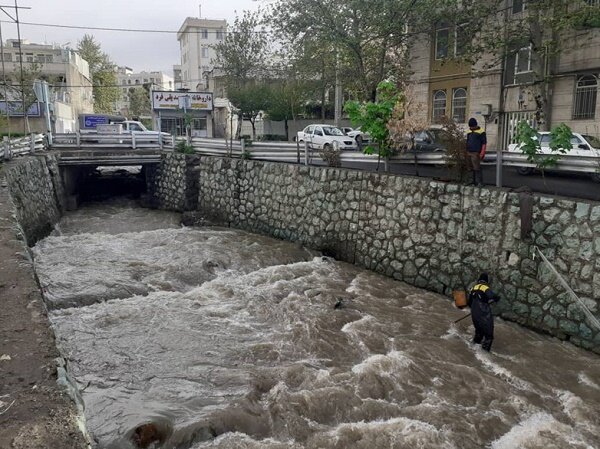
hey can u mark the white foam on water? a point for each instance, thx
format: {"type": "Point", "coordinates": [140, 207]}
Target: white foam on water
{"type": "Point", "coordinates": [453, 332]}
{"type": "Point", "coordinates": [397, 432]}
{"type": "Point", "coordinates": [486, 360]}
{"type": "Point", "coordinates": [389, 363]}
{"type": "Point", "coordinates": [585, 380]}
{"type": "Point", "coordinates": [240, 440]}
{"type": "Point", "coordinates": [532, 432]}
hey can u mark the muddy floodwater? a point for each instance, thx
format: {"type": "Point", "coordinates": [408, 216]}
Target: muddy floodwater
{"type": "Point", "coordinates": [216, 338]}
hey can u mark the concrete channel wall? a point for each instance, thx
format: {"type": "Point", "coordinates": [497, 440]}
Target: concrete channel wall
{"type": "Point", "coordinates": [433, 235]}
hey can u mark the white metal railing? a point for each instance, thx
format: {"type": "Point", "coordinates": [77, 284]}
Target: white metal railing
{"type": "Point", "coordinates": [132, 141]}
{"type": "Point", "coordinates": [292, 152]}
{"type": "Point", "coordinates": [10, 148]}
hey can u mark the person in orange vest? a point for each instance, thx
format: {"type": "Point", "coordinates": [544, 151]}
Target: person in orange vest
{"type": "Point", "coordinates": [481, 297]}
{"type": "Point", "coordinates": [476, 147]}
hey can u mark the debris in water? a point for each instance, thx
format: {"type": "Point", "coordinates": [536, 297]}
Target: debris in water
{"type": "Point", "coordinates": [146, 434]}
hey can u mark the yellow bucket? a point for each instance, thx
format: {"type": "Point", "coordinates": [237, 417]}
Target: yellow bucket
{"type": "Point", "coordinates": [460, 298]}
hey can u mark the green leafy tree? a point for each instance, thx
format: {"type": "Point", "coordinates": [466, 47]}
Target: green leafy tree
{"type": "Point", "coordinates": [530, 145]}
{"type": "Point", "coordinates": [373, 118]}
{"type": "Point", "coordinates": [286, 100]}
{"type": "Point", "coordinates": [102, 72]}
{"type": "Point", "coordinates": [365, 39]}
{"type": "Point", "coordinates": [242, 55]}
{"type": "Point", "coordinates": [139, 101]}
{"type": "Point", "coordinates": [250, 100]}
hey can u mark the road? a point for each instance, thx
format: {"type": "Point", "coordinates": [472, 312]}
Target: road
{"type": "Point", "coordinates": [560, 184]}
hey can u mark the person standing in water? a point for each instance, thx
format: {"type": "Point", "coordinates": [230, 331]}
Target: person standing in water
{"type": "Point", "coordinates": [481, 297]}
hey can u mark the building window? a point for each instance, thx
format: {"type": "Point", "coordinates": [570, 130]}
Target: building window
{"type": "Point", "coordinates": [441, 43]}
{"type": "Point", "coordinates": [586, 94]}
{"type": "Point", "coordinates": [519, 6]}
{"type": "Point", "coordinates": [205, 52]}
{"type": "Point", "coordinates": [220, 35]}
{"type": "Point", "coordinates": [523, 60]}
{"type": "Point", "coordinates": [8, 57]}
{"type": "Point", "coordinates": [459, 105]}
{"type": "Point", "coordinates": [29, 57]}
{"type": "Point", "coordinates": [137, 81]}
{"type": "Point", "coordinates": [461, 40]}
{"type": "Point", "coordinates": [16, 44]}
{"type": "Point", "coordinates": [204, 33]}
{"type": "Point", "coordinates": [439, 105]}
{"type": "Point", "coordinates": [49, 58]}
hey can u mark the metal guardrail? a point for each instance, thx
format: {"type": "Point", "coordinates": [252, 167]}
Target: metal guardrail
{"type": "Point", "coordinates": [292, 152]}
{"type": "Point", "coordinates": [10, 148]}
{"type": "Point", "coordinates": [128, 141]}
{"type": "Point", "coordinates": [267, 151]}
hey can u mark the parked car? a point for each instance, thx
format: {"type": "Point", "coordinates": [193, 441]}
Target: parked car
{"type": "Point", "coordinates": [326, 136]}
{"type": "Point", "coordinates": [583, 145]}
{"type": "Point", "coordinates": [429, 140]}
{"type": "Point", "coordinates": [359, 137]}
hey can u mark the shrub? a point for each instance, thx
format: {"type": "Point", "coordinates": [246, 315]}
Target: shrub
{"type": "Point", "coordinates": [184, 147]}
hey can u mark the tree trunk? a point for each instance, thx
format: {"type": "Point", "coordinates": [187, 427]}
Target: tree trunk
{"type": "Point", "coordinates": [287, 130]}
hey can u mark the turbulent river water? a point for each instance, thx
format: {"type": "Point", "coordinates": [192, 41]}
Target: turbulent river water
{"type": "Point", "coordinates": [224, 339]}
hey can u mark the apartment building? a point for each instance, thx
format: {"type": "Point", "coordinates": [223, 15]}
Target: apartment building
{"type": "Point", "coordinates": [501, 92]}
{"type": "Point", "coordinates": [69, 78]}
{"type": "Point", "coordinates": [197, 38]}
{"type": "Point", "coordinates": [127, 80]}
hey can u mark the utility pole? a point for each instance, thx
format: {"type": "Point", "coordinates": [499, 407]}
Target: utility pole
{"type": "Point", "coordinates": [338, 92]}
{"type": "Point", "coordinates": [15, 19]}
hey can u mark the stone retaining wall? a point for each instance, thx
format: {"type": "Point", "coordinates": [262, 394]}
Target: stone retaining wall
{"type": "Point", "coordinates": [37, 192]}
{"type": "Point", "coordinates": [434, 235]}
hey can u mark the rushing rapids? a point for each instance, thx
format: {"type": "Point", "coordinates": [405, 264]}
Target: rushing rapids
{"type": "Point", "coordinates": [209, 337]}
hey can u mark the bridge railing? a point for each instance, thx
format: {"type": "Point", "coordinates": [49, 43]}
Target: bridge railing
{"type": "Point", "coordinates": [19, 146]}
{"type": "Point", "coordinates": [127, 141]}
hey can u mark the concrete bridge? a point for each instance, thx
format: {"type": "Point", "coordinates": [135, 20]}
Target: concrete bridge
{"type": "Point", "coordinates": [108, 157]}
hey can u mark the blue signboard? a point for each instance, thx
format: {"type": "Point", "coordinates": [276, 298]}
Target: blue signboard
{"type": "Point", "coordinates": [15, 109]}
{"type": "Point", "coordinates": [91, 121]}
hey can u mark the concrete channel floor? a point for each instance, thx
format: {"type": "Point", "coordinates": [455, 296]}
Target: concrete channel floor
{"type": "Point", "coordinates": [34, 411]}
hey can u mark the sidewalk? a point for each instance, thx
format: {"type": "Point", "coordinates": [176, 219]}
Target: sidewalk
{"type": "Point", "coordinates": [34, 413]}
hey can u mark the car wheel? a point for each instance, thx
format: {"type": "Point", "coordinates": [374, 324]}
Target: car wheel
{"type": "Point", "coordinates": [326, 147]}
{"type": "Point", "coordinates": [524, 171]}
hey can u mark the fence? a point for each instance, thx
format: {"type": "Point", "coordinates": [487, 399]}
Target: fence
{"type": "Point", "coordinates": [10, 148]}
{"type": "Point", "coordinates": [293, 152]}
{"type": "Point", "coordinates": [158, 141]}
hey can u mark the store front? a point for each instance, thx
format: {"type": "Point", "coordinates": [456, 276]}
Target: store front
{"type": "Point", "coordinates": [171, 108]}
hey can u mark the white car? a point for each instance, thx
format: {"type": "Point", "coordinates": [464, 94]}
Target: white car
{"type": "Point", "coordinates": [323, 137]}
{"type": "Point", "coordinates": [360, 137]}
{"type": "Point", "coordinates": [583, 145]}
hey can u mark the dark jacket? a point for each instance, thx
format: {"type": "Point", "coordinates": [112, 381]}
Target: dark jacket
{"type": "Point", "coordinates": [476, 139]}
{"type": "Point", "coordinates": [480, 299]}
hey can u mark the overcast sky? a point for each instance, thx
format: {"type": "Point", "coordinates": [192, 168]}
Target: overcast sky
{"type": "Point", "coordinates": [141, 51]}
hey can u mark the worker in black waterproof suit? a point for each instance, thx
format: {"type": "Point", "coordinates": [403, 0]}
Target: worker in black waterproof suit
{"type": "Point", "coordinates": [480, 299]}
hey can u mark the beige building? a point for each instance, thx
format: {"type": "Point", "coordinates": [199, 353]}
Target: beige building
{"type": "Point", "coordinates": [127, 80]}
{"type": "Point", "coordinates": [66, 72]}
{"type": "Point", "coordinates": [501, 93]}
{"type": "Point", "coordinates": [197, 38]}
